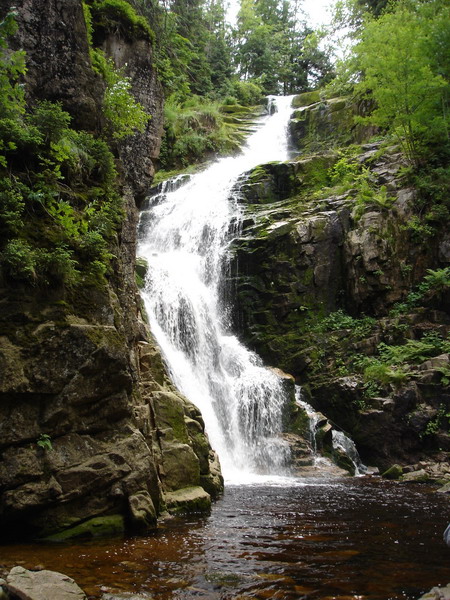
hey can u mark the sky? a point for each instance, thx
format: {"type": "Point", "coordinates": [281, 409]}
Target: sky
{"type": "Point", "coordinates": [317, 11]}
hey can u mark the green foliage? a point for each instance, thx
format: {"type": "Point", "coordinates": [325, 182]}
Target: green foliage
{"type": "Point", "coordinates": [247, 93]}
{"type": "Point", "coordinates": [433, 287]}
{"type": "Point", "coordinates": [394, 363]}
{"type": "Point", "coordinates": [12, 207]}
{"type": "Point", "coordinates": [383, 373]}
{"type": "Point", "coordinates": [50, 120]}
{"type": "Point", "coordinates": [272, 48]}
{"type": "Point", "coordinates": [119, 16]}
{"type": "Point", "coordinates": [19, 260]}
{"type": "Point", "coordinates": [440, 421]}
{"type": "Point", "coordinates": [44, 441]}
{"type": "Point", "coordinates": [12, 99]}
{"type": "Point", "coordinates": [341, 320]}
{"type": "Point", "coordinates": [194, 130]}
{"type": "Point", "coordinates": [125, 115]}
{"type": "Point", "coordinates": [347, 175]}
{"type": "Point", "coordinates": [396, 55]}
{"type": "Point", "coordinates": [57, 265]}
{"type": "Point", "coordinates": [58, 217]}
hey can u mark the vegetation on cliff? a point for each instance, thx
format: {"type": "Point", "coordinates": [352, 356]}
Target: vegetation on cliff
{"type": "Point", "coordinates": [59, 195]}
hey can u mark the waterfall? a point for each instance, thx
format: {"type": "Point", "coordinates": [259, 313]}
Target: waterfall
{"type": "Point", "coordinates": [185, 234]}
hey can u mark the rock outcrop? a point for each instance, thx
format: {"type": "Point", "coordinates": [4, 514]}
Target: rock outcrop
{"type": "Point", "coordinates": [93, 435]}
{"type": "Point", "coordinates": [321, 274]}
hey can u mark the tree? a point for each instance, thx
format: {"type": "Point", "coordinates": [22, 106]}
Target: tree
{"type": "Point", "coordinates": [399, 71]}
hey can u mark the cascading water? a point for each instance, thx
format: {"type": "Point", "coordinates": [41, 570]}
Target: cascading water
{"type": "Point", "coordinates": [185, 236]}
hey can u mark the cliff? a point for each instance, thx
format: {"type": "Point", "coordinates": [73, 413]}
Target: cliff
{"type": "Point", "coordinates": [342, 281]}
{"type": "Point", "coordinates": [94, 439]}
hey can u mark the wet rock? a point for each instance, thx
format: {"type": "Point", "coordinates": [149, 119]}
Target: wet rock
{"type": "Point", "coordinates": [92, 528]}
{"type": "Point", "coordinates": [42, 585]}
{"type": "Point", "coordinates": [79, 435]}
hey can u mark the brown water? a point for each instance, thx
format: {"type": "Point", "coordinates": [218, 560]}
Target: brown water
{"type": "Point", "coordinates": [355, 538]}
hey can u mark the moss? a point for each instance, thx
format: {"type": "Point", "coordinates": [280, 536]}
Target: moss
{"type": "Point", "coordinates": [97, 527]}
{"type": "Point", "coordinates": [113, 15]}
{"type": "Point", "coordinates": [298, 422]}
{"type": "Point", "coordinates": [306, 99]}
{"type": "Point", "coordinates": [343, 461]}
{"type": "Point", "coordinates": [394, 472]}
{"type": "Point", "coordinates": [169, 412]}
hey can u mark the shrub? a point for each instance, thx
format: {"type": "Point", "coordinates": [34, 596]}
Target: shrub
{"type": "Point", "coordinates": [50, 120]}
{"type": "Point", "coordinates": [19, 260]}
{"type": "Point", "coordinates": [247, 93]}
{"type": "Point", "coordinates": [11, 207]}
{"type": "Point", "coordinates": [58, 265]}
{"type": "Point", "coordinates": [125, 115]}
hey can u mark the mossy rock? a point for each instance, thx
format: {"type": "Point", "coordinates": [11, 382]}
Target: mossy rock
{"type": "Point", "coordinates": [394, 472]}
{"type": "Point", "coordinates": [343, 461]}
{"type": "Point", "coordinates": [169, 413]}
{"type": "Point", "coordinates": [97, 527]}
{"type": "Point", "coordinates": [306, 99]}
{"type": "Point", "coordinates": [188, 500]}
{"type": "Point", "coordinates": [141, 268]}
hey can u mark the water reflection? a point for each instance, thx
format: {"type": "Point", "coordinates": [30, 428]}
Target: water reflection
{"type": "Point", "coordinates": [355, 538]}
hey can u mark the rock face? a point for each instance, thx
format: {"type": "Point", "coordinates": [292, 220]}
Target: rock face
{"type": "Point", "coordinates": [92, 433]}
{"type": "Point", "coordinates": [318, 120]}
{"type": "Point", "coordinates": [306, 257]}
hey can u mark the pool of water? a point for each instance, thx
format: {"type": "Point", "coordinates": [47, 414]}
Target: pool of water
{"type": "Point", "coordinates": [314, 539]}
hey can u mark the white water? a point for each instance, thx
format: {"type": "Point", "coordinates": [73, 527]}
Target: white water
{"type": "Point", "coordinates": [185, 237]}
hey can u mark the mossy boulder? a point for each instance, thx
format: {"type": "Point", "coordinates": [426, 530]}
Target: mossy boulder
{"type": "Point", "coordinates": [306, 99]}
{"type": "Point", "coordinates": [188, 500]}
{"type": "Point", "coordinates": [394, 472]}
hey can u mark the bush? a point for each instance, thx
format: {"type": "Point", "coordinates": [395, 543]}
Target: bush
{"type": "Point", "coordinates": [247, 93]}
{"type": "Point", "coordinates": [124, 114]}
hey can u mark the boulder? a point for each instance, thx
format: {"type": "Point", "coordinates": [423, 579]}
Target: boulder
{"type": "Point", "coordinates": [394, 472]}
{"type": "Point", "coordinates": [188, 500]}
{"type": "Point", "coordinates": [42, 585]}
